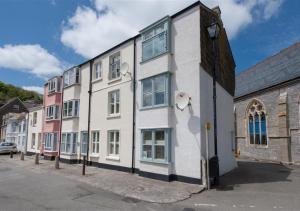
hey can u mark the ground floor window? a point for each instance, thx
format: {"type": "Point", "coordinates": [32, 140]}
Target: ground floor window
{"type": "Point", "coordinates": [68, 143]}
{"type": "Point", "coordinates": [95, 142]}
{"type": "Point", "coordinates": [84, 142]}
{"type": "Point", "coordinates": [155, 145]}
{"type": "Point", "coordinates": [33, 141]}
{"type": "Point", "coordinates": [50, 140]}
{"type": "Point", "coordinates": [113, 143]}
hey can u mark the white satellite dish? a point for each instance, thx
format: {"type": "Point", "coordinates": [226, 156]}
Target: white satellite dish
{"type": "Point", "coordinates": [182, 100]}
{"type": "Point", "coordinates": [124, 68]}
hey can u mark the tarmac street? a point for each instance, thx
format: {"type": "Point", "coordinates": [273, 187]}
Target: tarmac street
{"type": "Point", "coordinates": [252, 186]}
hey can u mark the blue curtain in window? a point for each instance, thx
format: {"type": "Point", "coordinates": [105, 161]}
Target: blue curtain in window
{"type": "Point", "coordinates": [257, 132]}
{"type": "Point", "coordinates": [263, 129]}
{"type": "Point", "coordinates": [251, 130]}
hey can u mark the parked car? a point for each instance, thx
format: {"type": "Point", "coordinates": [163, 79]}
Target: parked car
{"type": "Point", "coordinates": [7, 147]}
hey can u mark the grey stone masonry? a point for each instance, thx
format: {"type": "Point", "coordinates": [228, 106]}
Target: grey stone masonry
{"type": "Point", "coordinates": [283, 124]}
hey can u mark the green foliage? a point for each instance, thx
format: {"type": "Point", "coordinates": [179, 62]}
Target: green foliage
{"type": "Point", "coordinates": [8, 92]}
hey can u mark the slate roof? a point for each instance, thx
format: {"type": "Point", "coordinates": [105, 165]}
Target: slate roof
{"type": "Point", "coordinates": [274, 70]}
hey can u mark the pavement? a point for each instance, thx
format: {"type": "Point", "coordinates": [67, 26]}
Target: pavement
{"type": "Point", "coordinates": [252, 186]}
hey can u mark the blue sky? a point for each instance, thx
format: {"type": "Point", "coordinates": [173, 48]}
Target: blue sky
{"type": "Point", "coordinates": [51, 35]}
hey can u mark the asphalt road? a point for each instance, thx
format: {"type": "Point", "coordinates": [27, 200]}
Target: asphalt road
{"type": "Point", "coordinates": [253, 186]}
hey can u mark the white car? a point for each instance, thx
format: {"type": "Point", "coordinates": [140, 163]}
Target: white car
{"type": "Point", "coordinates": [7, 147]}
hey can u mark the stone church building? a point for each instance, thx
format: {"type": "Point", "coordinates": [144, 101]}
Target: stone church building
{"type": "Point", "coordinates": [267, 111]}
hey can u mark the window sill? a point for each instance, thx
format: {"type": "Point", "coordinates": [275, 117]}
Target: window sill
{"type": "Point", "coordinates": [114, 80]}
{"type": "Point", "coordinates": [114, 158]}
{"type": "Point", "coordinates": [94, 155]}
{"type": "Point", "coordinates": [97, 80]}
{"type": "Point", "coordinates": [154, 107]}
{"type": "Point", "coordinates": [53, 93]}
{"type": "Point", "coordinates": [113, 116]}
{"type": "Point", "coordinates": [75, 84]}
{"type": "Point", "coordinates": [259, 146]}
{"type": "Point", "coordinates": [163, 162]}
{"type": "Point", "coordinates": [154, 57]}
{"type": "Point", "coordinates": [68, 154]}
{"type": "Point", "coordinates": [50, 120]}
{"type": "Point", "coordinates": [70, 117]}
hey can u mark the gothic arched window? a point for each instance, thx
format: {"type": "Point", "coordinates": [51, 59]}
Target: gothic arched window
{"type": "Point", "coordinates": [257, 129]}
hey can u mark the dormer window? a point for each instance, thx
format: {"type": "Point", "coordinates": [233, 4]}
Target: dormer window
{"type": "Point", "coordinates": [52, 85]}
{"type": "Point", "coordinates": [71, 77]}
{"type": "Point", "coordinates": [155, 40]}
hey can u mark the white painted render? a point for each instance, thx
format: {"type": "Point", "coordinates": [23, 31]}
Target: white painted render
{"type": "Point", "coordinates": [35, 129]}
{"type": "Point", "coordinates": [19, 134]}
{"type": "Point", "coordinates": [183, 64]}
{"type": "Point", "coordinates": [100, 118]}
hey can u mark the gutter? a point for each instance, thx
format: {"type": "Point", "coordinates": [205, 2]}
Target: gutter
{"type": "Point", "coordinates": [133, 112]}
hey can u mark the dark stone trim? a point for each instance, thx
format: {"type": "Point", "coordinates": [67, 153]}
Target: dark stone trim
{"type": "Point", "coordinates": [111, 167]}
{"type": "Point", "coordinates": [30, 153]}
{"type": "Point", "coordinates": [168, 178]}
{"type": "Point", "coordinates": [69, 161]}
{"type": "Point", "coordinates": [46, 157]}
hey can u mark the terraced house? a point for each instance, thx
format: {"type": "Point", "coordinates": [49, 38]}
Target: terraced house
{"type": "Point", "coordinates": [119, 108]}
{"type": "Point", "coordinates": [52, 117]}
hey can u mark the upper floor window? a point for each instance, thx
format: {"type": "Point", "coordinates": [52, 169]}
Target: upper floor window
{"type": "Point", "coordinates": [50, 141]}
{"type": "Point", "coordinates": [68, 143]}
{"type": "Point", "coordinates": [97, 71]}
{"type": "Point", "coordinates": [114, 70]}
{"type": "Point", "coordinates": [71, 77]}
{"type": "Point", "coordinates": [155, 91]}
{"type": "Point", "coordinates": [114, 102]}
{"type": "Point", "coordinates": [52, 112]}
{"type": "Point", "coordinates": [52, 85]}
{"type": "Point", "coordinates": [155, 41]}
{"type": "Point", "coordinates": [155, 143]}
{"type": "Point", "coordinates": [71, 108]}
{"type": "Point", "coordinates": [257, 128]}
{"type": "Point", "coordinates": [34, 119]}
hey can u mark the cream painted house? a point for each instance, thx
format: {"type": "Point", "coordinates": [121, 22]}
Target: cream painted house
{"type": "Point", "coordinates": [34, 133]}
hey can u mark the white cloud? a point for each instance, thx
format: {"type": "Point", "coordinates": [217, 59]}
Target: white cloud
{"type": "Point", "coordinates": [37, 89]}
{"type": "Point", "coordinates": [30, 58]}
{"type": "Point", "coordinates": [91, 30]}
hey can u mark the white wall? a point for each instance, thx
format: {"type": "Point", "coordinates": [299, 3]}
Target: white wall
{"type": "Point", "coordinates": [183, 64]}
{"type": "Point", "coordinates": [37, 129]}
{"type": "Point", "coordinates": [225, 122]}
{"type": "Point", "coordinates": [100, 119]}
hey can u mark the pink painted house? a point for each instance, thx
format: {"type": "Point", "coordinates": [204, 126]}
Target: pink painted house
{"type": "Point", "coordinates": [52, 117]}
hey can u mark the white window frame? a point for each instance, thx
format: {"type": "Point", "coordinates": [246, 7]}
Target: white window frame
{"type": "Point", "coordinates": [33, 140]}
{"type": "Point", "coordinates": [97, 71]}
{"type": "Point", "coordinates": [95, 139]}
{"type": "Point", "coordinates": [153, 92]}
{"type": "Point", "coordinates": [71, 77]}
{"type": "Point", "coordinates": [151, 35]}
{"type": "Point", "coordinates": [50, 144]}
{"type": "Point", "coordinates": [114, 143]}
{"type": "Point", "coordinates": [55, 112]}
{"type": "Point", "coordinates": [116, 96]}
{"type": "Point", "coordinates": [114, 66]}
{"type": "Point", "coordinates": [72, 142]}
{"type": "Point", "coordinates": [52, 85]}
{"type": "Point", "coordinates": [34, 119]}
{"type": "Point", "coordinates": [153, 144]}
{"type": "Point", "coordinates": [71, 111]}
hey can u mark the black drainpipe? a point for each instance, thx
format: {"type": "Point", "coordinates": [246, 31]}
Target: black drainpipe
{"type": "Point", "coordinates": [61, 113]}
{"type": "Point", "coordinates": [89, 112]}
{"type": "Point", "coordinates": [133, 116]}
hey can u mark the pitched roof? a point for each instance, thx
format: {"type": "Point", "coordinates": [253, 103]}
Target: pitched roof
{"type": "Point", "coordinates": [274, 70]}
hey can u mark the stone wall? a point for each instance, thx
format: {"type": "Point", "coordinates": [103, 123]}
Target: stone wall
{"type": "Point", "coordinates": [282, 111]}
